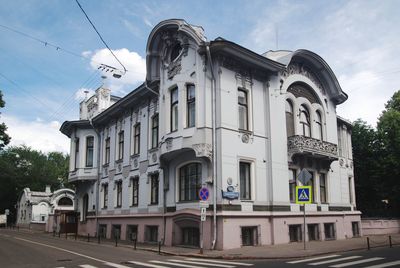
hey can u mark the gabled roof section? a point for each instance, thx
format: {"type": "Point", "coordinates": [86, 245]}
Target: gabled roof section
{"type": "Point", "coordinates": [319, 66]}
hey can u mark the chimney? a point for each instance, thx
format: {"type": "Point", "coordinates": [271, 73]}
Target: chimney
{"type": "Point", "coordinates": [48, 189]}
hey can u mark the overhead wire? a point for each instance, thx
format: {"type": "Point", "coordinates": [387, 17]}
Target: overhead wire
{"type": "Point", "coordinates": [101, 38]}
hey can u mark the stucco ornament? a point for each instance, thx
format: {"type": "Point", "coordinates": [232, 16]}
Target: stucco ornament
{"type": "Point", "coordinates": [203, 150]}
{"type": "Point", "coordinates": [296, 68]}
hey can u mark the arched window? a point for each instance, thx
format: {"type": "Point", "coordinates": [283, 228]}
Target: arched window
{"type": "Point", "coordinates": [189, 182]}
{"type": "Point", "coordinates": [318, 122]}
{"type": "Point", "coordinates": [305, 121]}
{"type": "Point", "coordinates": [289, 118]}
{"type": "Point", "coordinates": [65, 201]}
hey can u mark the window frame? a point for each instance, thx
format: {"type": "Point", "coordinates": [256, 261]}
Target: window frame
{"type": "Point", "coordinates": [107, 150]}
{"type": "Point", "coordinates": [135, 192]}
{"type": "Point", "coordinates": [154, 131]}
{"type": "Point", "coordinates": [245, 195]}
{"type": "Point", "coordinates": [119, 194]}
{"type": "Point", "coordinates": [121, 140]}
{"type": "Point", "coordinates": [292, 184]}
{"type": "Point", "coordinates": [174, 112]}
{"type": "Point", "coordinates": [305, 125]}
{"type": "Point", "coordinates": [322, 188]}
{"type": "Point", "coordinates": [105, 195]}
{"type": "Point", "coordinates": [245, 107]}
{"type": "Point", "coordinates": [89, 148]}
{"type": "Point", "coordinates": [318, 122]}
{"type": "Point", "coordinates": [187, 193]}
{"type": "Point", "coordinates": [190, 106]}
{"type": "Point", "coordinates": [76, 164]}
{"type": "Point", "coordinates": [136, 139]}
{"type": "Point", "coordinates": [154, 189]}
{"type": "Point", "coordinates": [289, 115]}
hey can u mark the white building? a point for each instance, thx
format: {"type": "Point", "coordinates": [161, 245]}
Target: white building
{"type": "Point", "coordinates": [138, 166]}
{"type": "Point", "coordinates": [34, 208]}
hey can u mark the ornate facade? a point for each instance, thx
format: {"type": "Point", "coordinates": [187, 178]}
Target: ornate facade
{"type": "Point", "coordinates": [216, 115]}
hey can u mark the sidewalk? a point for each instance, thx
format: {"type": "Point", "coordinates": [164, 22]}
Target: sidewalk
{"type": "Point", "coordinates": [284, 251]}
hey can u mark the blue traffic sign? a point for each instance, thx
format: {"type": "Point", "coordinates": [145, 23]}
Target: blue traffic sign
{"type": "Point", "coordinates": [303, 195]}
{"type": "Point", "coordinates": [204, 194]}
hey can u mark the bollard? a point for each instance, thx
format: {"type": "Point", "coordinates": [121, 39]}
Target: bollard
{"type": "Point", "coordinates": [390, 241]}
{"type": "Point", "coordinates": [18, 228]}
{"type": "Point", "coordinates": [116, 240]}
{"type": "Point", "coordinates": [368, 246]}
{"type": "Point", "coordinates": [59, 234]}
{"type": "Point", "coordinates": [88, 237]}
{"type": "Point", "coordinates": [159, 247]}
{"type": "Point", "coordinates": [66, 234]}
{"type": "Point", "coordinates": [76, 235]}
{"type": "Point", "coordinates": [54, 233]}
{"type": "Point", "coordinates": [98, 239]}
{"type": "Point", "coordinates": [134, 244]}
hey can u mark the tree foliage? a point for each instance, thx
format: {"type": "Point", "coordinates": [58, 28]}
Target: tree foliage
{"type": "Point", "coordinates": [23, 167]}
{"type": "Point", "coordinates": [4, 137]}
{"type": "Point", "coordinates": [377, 162]}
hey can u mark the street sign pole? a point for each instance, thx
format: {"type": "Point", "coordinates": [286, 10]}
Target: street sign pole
{"type": "Point", "coordinates": [201, 237]}
{"type": "Point", "coordinates": [304, 227]}
{"type": "Point", "coordinates": [203, 194]}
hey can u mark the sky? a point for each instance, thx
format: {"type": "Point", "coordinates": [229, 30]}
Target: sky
{"type": "Point", "coordinates": [50, 54]}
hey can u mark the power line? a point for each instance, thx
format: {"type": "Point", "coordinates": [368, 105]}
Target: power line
{"type": "Point", "coordinates": [101, 38]}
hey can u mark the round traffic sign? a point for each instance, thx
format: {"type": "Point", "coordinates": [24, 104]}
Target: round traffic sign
{"type": "Point", "coordinates": [204, 194]}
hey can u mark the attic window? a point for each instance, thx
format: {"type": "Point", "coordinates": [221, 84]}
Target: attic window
{"type": "Point", "coordinates": [175, 52]}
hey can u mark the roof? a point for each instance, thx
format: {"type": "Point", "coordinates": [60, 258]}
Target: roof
{"type": "Point", "coordinates": [68, 126]}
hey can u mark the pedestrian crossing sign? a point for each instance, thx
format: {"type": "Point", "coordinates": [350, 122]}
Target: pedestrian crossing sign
{"type": "Point", "coordinates": [303, 195]}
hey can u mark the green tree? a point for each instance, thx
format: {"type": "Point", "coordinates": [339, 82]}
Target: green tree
{"type": "Point", "coordinates": [4, 138]}
{"type": "Point", "coordinates": [23, 167]}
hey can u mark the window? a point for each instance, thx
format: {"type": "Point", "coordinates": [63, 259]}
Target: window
{"type": "Point", "coordinates": [154, 131]}
{"type": "Point", "coordinates": [65, 201]}
{"type": "Point", "coordinates": [105, 195]}
{"type": "Point", "coordinates": [103, 231]}
{"type": "Point", "coordinates": [249, 236]}
{"type": "Point", "coordinates": [313, 232]}
{"type": "Point", "coordinates": [119, 193]}
{"type": "Point", "coordinates": [289, 118]}
{"type": "Point", "coordinates": [174, 109]}
{"type": "Point", "coordinates": [189, 182]}
{"type": "Point", "coordinates": [135, 191]}
{"type": "Point", "coordinates": [322, 187]}
{"type": "Point", "coordinates": [191, 106]}
{"type": "Point", "coordinates": [311, 183]}
{"type": "Point", "coordinates": [351, 198]}
{"type": "Point", "coordinates": [151, 234]}
{"type": "Point", "coordinates": [120, 145]}
{"type": "Point", "coordinates": [329, 229]}
{"type": "Point", "coordinates": [305, 121]}
{"type": "Point", "coordinates": [295, 234]}
{"type": "Point", "coordinates": [292, 185]}
{"type": "Point", "coordinates": [107, 151]}
{"type": "Point", "coordinates": [190, 236]}
{"type": "Point", "coordinates": [318, 122]}
{"type": "Point", "coordinates": [243, 110]}
{"type": "Point", "coordinates": [356, 228]}
{"type": "Point", "coordinates": [244, 172]}
{"type": "Point", "coordinates": [154, 189]}
{"type": "Point", "coordinates": [76, 153]}
{"type": "Point", "coordinates": [116, 231]}
{"type": "Point", "coordinates": [89, 151]}
{"type": "Point", "coordinates": [339, 136]}
{"type": "Point", "coordinates": [131, 232]}
{"type": "Point", "coordinates": [136, 139]}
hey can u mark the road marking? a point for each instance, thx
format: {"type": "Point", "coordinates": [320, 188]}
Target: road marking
{"type": "Point", "coordinates": [200, 263]}
{"type": "Point", "coordinates": [223, 262]}
{"type": "Point", "coordinates": [65, 250]}
{"type": "Point", "coordinates": [116, 265]}
{"type": "Point", "coordinates": [147, 264]}
{"type": "Point", "coordinates": [335, 260]}
{"type": "Point", "coordinates": [356, 262]}
{"type": "Point", "coordinates": [87, 266]}
{"type": "Point", "coordinates": [177, 264]}
{"type": "Point", "coordinates": [387, 264]}
{"type": "Point", "coordinates": [314, 259]}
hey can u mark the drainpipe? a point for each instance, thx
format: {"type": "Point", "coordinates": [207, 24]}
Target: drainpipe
{"type": "Point", "coordinates": [214, 147]}
{"type": "Point", "coordinates": [98, 176]}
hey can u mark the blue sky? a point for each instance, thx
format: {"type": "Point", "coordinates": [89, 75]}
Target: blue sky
{"type": "Point", "coordinates": [42, 86]}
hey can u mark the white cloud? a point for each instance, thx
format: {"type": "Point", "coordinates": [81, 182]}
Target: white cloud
{"type": "Point", "coordinates": [87, 53]}
{"type": "Point", "coordinates": [39, 135]}
{"type": "Point", "coordinates": [133, 62]}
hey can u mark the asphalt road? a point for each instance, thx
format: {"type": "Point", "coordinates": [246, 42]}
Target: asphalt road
{"type": "Point", "coordinates": [25, 249]}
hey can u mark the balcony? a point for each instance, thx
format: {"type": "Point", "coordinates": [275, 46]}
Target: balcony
{"type": "Point", "coordinates": [310, 147]}
{"type": "Point", "coordinates": [82, 174]}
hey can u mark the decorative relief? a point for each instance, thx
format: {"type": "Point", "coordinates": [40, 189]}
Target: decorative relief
{"type": "Point", "coordinates": [135, 163]}
{"type": "Point", "coordinates": [296, 68]}
{"type": "Point", "coordinates": [168, 142]}
{"type": "Point", "coordinates": [154, 157]}
{"type": "Point", "coordinates": [119, 168]}
{"type": "Point", "coordinates": [341, 162]}
{"type": "Point", "coordinates": [203, 150]}
{"type": "Point", "coordinates": [245, 138]}
{"type": "Point", "coordinates": [300, 144]}
{"type": "Point", "coordinates": [174, 68]}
